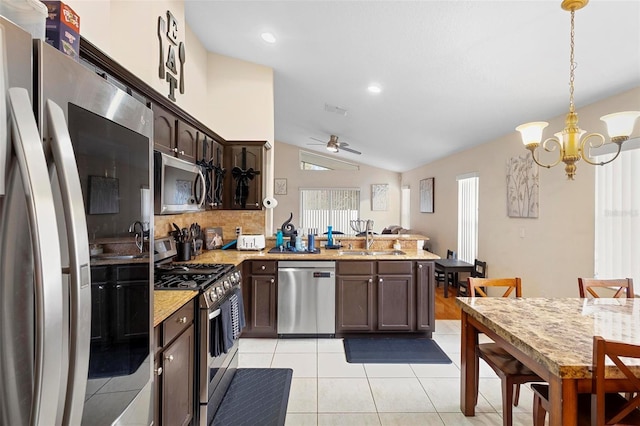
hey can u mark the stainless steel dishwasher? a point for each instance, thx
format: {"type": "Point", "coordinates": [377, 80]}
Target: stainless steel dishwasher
{"type": "Point", "coordinates": [306, 298]}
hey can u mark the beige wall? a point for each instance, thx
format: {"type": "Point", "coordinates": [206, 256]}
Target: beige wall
{"type": "Point", "coordinates": [287, 165]}
{"type": "Point", "coordinates": [558, 246]}
{"type": "Point", "coordinates": [233, 98]}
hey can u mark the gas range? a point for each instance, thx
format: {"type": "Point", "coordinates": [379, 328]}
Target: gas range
{"type": "Point", "coordinates": [189, 276]}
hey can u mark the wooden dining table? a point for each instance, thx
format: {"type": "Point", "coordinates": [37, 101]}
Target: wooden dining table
{"type": "Point", "coordinates": [452, 266]}
{"type": "Point", "coordinates": [554, 338]}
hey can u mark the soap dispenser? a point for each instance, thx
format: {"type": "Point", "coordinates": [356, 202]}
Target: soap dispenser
{"type": "Point", "coordinates": [329, 236]}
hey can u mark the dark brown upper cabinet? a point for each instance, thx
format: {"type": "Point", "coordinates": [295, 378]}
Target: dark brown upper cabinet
{"type": "Point", "coordinates": [245, 164]}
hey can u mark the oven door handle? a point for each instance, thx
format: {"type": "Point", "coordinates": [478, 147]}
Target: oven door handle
{"type": "Point", "coordinates": [214, 314]}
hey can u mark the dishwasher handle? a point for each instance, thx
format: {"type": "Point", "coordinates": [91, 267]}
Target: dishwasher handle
{"type": "Point", "coordinates": [317, 272]}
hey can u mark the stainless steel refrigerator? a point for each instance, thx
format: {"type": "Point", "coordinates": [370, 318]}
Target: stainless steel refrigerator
{"type": "Point", "coordinates": [75, 155]}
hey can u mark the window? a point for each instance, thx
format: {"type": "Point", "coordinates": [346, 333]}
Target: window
{"type": "Point", "coordinates": [320, 208]}
{"type": "Point", "coordinates": [617, 218]}
{"type": "Point", "coordinates": [468, 217]}
{"type": "Point", "coordinates": [313, 161]}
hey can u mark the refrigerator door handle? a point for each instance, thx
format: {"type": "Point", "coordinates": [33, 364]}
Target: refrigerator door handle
{"type": "Point", "coordinates": [46, 258]}
{"type": "Point", "coordinates": [4, 135]}
{"type": "Point", "coordinates": [79, 270]}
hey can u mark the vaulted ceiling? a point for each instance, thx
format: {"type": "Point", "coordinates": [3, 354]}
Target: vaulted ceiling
{"type": "Point", "coordinates": [453, 74]}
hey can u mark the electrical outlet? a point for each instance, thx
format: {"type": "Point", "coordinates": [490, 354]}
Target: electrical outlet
{"type": "Point", "coordinates": [238, 230]}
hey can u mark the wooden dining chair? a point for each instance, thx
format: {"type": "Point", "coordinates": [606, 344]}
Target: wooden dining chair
{"type": "Point", "coordinates": [439, 275]}
{"type": "Point", "coordinates": [479, 271]}
{"type": "Point", "coordinates": [512, 372]}
{"type": "Point", "coordinates": [622, 287]}
{"type": "Point", "coordinates": [600, 408]}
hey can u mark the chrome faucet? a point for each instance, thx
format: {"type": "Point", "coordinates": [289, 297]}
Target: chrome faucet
{"type": "Point", "coordinates": [138, 228]}
{"type": "Point", "coordinates": [369, 234]}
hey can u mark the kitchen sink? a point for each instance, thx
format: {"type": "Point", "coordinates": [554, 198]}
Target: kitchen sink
{"type": "Point", "coordinates": [371, 253]}
{"type": "Point", "coordinates": [116, 256]}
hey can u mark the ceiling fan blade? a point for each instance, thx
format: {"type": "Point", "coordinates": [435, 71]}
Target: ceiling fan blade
{"type": "Point", "coordinates": [319, 140]}
{"type": "Point", "coordinates": [350, 150]}
{"type": "Point", "coordinates": [341, 144]}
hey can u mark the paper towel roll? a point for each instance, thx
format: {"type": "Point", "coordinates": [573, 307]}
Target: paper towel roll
{"type": "Point", "coordinates": [269, 202]}
{"type": "Point", "coordinates": [145, 204]}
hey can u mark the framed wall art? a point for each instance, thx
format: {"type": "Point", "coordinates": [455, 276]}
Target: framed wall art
{"type": "Point", "coordinates": [380, 196]}
{"type": "Point", "coordinates": [426, 195]}
{"type": "Point", "coordinates": [280, 186]}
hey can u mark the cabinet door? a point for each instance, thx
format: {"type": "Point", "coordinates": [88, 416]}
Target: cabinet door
{"type": "Point", "coordinates": [244, 167]}
{"type": "Point", "coordinates": [425, 303]}
{"type": "Point", "coordinates": [187, 142]}
{"type": "Point", "coordinates": [355, 303]}
{"type": "Point", "coordinates": [263, 305]}
{"type": "Point", "coordinates": [99, 312]}
{"type": "Point", "coordinates": [164, 130]}
{"type": "Point", "coordinates": [177, 380]}
{"type": "Point", "coordinates": [395, 303]}
{"type": "Point", "coordinates": [132, 310]}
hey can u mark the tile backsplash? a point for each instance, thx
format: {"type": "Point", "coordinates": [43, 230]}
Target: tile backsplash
{"type": "Point", "coordinates": [251, 221]}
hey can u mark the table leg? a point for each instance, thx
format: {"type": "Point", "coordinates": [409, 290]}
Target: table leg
{"type": "Point", "coordinates": [446, 284]}
{"type": "Point", "coordinates": [468, 385]}
{"type": "Point", "coordinates": [563, 402]}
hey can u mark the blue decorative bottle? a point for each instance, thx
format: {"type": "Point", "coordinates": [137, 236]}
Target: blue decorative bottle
{"type": "Point", "coordinates": [329, 236]}
{"type": "Point", "coordinates": [279, 238]}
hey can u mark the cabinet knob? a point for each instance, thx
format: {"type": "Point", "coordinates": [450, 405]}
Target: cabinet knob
{"type": "Point", "coordinates": [158, 371]}
{"type": "Point", "coordinates": [181, 152]}
{"type": "Point", "coordinates": [420, 266]}
{"type": "Point", "coordinates": [273, 280]}
{"type": "Point", "coordinates": [169, 358]}
{"type": "Point", "coordinates": [370, 280]}
{"type": "Point", "coordinates": [182, 320]}
{"type": "Point", "coordinates": [175, 150]}
{"type": "Point", "coordinates": [380, 280]}
{"type": "Point", "coordinates": [263, 267]}
{"type": "Point", "coordinates": [257, 204]}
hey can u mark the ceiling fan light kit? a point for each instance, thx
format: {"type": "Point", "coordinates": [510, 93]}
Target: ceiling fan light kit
{"type": "Point", "coordinates": [334, 146]}
{"type": "Point", "coordinates": [570, 143]}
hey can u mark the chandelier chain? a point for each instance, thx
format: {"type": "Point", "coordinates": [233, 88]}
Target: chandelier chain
{"type": "Point", "coordinates": [572, 65]}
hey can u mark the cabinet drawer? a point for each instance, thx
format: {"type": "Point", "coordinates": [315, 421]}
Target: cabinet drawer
{"type": "Point", "coordinates": [346, 267]}
{"type": "Point", "coordinates": [263, 267]}
{"type": "Point", "coordinates": [395, 267]}
{"type": "Point", "coordinates": [177, 322]}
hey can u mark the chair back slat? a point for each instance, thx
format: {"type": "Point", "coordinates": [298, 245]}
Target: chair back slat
{"type": "Point", "coordinates": [623, 287]}
{"type": "Point", "coordinates": [614, 350]}
{"type": "Point", "coordinates": [475, 285]}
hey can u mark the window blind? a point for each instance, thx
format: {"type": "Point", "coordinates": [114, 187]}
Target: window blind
{"type": "Point", "coordinates": [320, 208]}
{"type": "Point", "coordinates": [617, 218]}
{"type": "Point", "coordinates": [468, 217]}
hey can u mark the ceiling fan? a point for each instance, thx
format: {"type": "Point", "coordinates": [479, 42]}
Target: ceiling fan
{"type": "Point", "coordinates": [334, 146]}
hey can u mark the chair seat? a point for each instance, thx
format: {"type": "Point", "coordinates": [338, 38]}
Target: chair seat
{"type": "Point", "coordinates": [504, 364]}
{"type": "Point", "coordinates": [613, 403]}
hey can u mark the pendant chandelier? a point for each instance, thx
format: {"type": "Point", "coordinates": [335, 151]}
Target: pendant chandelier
{"type": "Point", "coordinates": [570, 143]}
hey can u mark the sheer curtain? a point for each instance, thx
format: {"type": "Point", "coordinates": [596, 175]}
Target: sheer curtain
{"type": "Point", "coordinates": [617, 218]}
{"type": "Point", "coordinates": [468, 216]}
{"type": "Point", "coordinates": [331, 206]}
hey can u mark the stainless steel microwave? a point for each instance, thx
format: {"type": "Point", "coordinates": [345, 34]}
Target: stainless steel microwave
{"type": "Point", "coordinates": [179, 185]}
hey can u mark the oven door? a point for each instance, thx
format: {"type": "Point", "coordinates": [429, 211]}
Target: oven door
{"type": "Point", "coordinates": [218, 362]}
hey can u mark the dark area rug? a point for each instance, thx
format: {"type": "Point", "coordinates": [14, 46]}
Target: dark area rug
{"type": "Point", "coordinates": [256, 396]}
{"type": "Point", "coordinates": [394, 351]}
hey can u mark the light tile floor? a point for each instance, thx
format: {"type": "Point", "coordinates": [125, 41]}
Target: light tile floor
{"type": "Point", "coordinates": [326, 390]}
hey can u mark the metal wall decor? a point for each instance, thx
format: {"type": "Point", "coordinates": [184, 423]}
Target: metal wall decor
{"type": "Point", "coordinates": [522, 187]}
{"type": "Point", "coordinates": [168, 69]}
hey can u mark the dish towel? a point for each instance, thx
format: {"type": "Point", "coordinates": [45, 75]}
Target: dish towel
{"type": "Point", "coordinates": [234, 316]}
{"type": "Point", "coordinates": [215, 337]}
{"type": "Point", "coordinates": [227, 326]}
{"type": "Point", "coordinates": [241, 318]}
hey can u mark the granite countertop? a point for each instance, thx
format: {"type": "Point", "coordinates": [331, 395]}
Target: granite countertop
{"type": "Point", "coordinates": [166, 302]}
{"type": "Point", "coordinates": [238, 256]}
{"type": "Point", "coordinates": [558, 333]}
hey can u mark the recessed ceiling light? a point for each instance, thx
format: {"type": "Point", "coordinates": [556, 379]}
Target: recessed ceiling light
{"type": "Point", "coordinates": [268, 37]}
{"type": "Point", "coordinates": [374, 88]}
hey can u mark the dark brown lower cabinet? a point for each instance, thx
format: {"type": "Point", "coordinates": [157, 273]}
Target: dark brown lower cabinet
{"type": "Point", "coordinates": [384, 296]}
{"type": "Point", "coordinates": [425, 303]}
{"type": "Point", "coordinates": [174, 368]}
{"type": "Point", "coordinates": [260, 298]}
